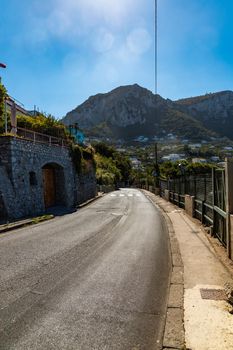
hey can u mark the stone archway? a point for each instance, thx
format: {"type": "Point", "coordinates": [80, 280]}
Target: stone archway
{"type": "Point", "coordinates": [53, 185]}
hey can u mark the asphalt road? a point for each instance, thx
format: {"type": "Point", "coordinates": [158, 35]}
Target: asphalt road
{"type": "Point", "coordinates": [93, 279]}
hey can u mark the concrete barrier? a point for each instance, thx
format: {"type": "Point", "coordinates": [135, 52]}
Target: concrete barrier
{"type": "Point", "coordinates": [167, 195]}
{"type": "Point", "coordinates": [189, 205]}
{"type": "Point", "coordinates": [157, 191]}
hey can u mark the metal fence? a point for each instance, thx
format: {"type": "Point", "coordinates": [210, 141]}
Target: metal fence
{"type": "Point", "coordinates": [40, 138]}
{"type": "Point", "coordinates": [209, 195]}
{"type": "Point", "coordinates": [219, 205]}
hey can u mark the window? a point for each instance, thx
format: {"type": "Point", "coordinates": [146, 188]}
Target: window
{"type": "Point", "coordinates": [32, 178]}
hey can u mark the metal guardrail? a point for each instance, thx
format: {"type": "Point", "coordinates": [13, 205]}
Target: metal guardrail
{"type": "Point", "coordinates": [204, 212]}
{"type": "Point", "coordinates": [209, 192]}
{"type": "Point", "coordinates": [211, 215]}
{"type": "Point", "coordinates": [37, 137]}
{"type": "Point", "coordinates": [177, 199]}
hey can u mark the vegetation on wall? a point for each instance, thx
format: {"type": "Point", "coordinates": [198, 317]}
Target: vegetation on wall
{"type": "Point", "coordinates": [43, 124]}
{"type": "Point", "coordinates": [83, 158]}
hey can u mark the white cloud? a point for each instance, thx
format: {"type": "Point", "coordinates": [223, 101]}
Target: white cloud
{"type": "Point", "coordinates": [106, 40]}
{"type": "Point", "coordinates": [71, 18]}
{"type": "Point", "coordinates": [139, 41]}
{"type": "Point", "coordinates": [91, 11]}
{"type": "Point", "coordinates": [103, 40]}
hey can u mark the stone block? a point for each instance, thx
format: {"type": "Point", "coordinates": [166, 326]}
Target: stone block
{"type": "Point", "coordinates": [176, 260]}
{"type": "Point", "coordinates": [189, 205]}
{"type": "Point", "coordinates": [174, 329]}
{"type": "Point", "coordinates": [177, 275]}
{"type": "Point", "coordinates": [167, 195]}
{"type": "Point", "coordinates": [176, 296]}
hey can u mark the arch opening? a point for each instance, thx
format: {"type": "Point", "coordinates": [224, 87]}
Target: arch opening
{"type": "Point", "coordinates": [53, 185]}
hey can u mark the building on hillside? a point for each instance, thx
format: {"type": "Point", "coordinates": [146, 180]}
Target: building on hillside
{"type": "Point", "coordinates": [195, 145]}
{"type": "Point", "coordinates": [136, 164]}
{"type": "Point", "coordinates": [173, 157]}
{"type": "Point", "coordinates": [215, 159]}
{"type": "Point", "coordinates": [199, 160]}
{"type": "Point", "coordinates": [11, 103]}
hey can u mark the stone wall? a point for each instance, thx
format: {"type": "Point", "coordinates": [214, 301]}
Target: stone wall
{"type": "Point", "coordinates": [21, 178]}
{"type": "Point", "coordinates": [86, 186]}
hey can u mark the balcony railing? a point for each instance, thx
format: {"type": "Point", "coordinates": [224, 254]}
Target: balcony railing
{"type": "Point", "coordinates": [41, 138]}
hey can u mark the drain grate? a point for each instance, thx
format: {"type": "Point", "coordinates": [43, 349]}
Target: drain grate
{"type": "Point", "coordinates": [213, 294]}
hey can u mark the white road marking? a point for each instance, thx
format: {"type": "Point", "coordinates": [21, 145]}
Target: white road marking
{"type": "Point", "coordinates": [126, 195]}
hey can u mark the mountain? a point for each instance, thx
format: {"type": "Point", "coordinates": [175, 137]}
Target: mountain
{"type": "Point", "coordinates": [214, 111]}
{"type": "Point", "coordinates": [129, 111]}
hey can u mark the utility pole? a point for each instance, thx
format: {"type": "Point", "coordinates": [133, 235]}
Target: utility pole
{"type": "Point", "coordinates": [156, 167]}
{"type": "Point", "coordinates": [156, 154]}
{"type": "Point", "coordinates": [156, 47]}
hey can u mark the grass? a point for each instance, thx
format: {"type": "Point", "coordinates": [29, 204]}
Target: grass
{"type": "Point", "coordinates": [42, 218]}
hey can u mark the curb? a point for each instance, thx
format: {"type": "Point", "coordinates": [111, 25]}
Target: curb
{"type": "Point", "coordinates": [14, 225]}
{"type": "Point", "coordinates": [82, 205]}
{"type": "Point", "coordinates": [174, 335]}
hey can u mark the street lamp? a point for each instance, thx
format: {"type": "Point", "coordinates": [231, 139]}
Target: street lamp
{"type": "Point", "coordinates": [183, 174]}
{"type": "Point", "coordinates": [2, 65]}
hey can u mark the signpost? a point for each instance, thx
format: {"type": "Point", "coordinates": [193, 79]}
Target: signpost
{"type": "Point", "coordinates": [2, 65]}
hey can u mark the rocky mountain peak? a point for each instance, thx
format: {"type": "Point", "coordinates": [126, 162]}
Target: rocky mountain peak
{"type": "Point", "coordinates": [131, 110]}
{"type": "Point", "coordinates": [123, 106]}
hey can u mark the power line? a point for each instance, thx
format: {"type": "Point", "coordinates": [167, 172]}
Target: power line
{"type": "Point", "coordinates": [156, 46]}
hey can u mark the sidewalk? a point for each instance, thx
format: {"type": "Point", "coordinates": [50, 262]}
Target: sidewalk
{"type": "Point", "coordinates": [208, 325]}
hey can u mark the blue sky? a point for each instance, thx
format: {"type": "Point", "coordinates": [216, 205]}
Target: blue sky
{"type": "Point", "coordinates": [195, 53]}
{"type": "Point", "coordinates": [58, 52]}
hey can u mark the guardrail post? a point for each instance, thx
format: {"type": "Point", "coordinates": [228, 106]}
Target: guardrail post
{"type": "Point", "coordinates": [202, 212]}
{"type": "Point", "coordinates": [213, 202]}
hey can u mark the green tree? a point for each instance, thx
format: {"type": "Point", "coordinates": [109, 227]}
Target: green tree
{"type": "Point", "coordinates": [111, 166]}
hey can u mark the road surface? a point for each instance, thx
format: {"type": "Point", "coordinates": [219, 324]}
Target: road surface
{"type": "Point", "coordinates": [93, 279]}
